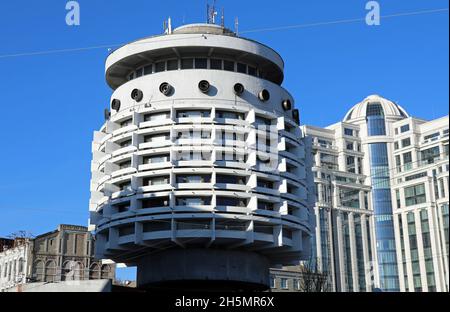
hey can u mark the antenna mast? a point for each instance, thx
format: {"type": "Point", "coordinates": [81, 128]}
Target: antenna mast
{"type": "Point", "coordinates": [211, 13]}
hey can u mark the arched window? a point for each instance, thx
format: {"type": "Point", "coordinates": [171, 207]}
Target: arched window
{"type": "Point", "coordinates": [14, 272]}
{"type": "Point", "coordinates": [38, 271]}
{"type": "Point", "coordinates": [67, 272]}
{"type": "Point", "coordinates": [94, 272]}
{"type": "Point", "coordinates": [106, 271]}
{"type": "Point", "coordinates": [21, 266]}
{"type": "Point", "coordinates": [374, 109]}
{"type": "Point", "coordinates": [72, 270]}
{"type": "Point", "coordinates": [9, 270]}
{"type": "Point", "coordinates": [50, 271]}
{"type": "Point", "coordinates": [78, 271]}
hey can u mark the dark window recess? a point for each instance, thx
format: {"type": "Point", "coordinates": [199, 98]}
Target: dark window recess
{"type": "Point", "coordinates": [126, 122]}
{"type": "Point", "coordinates": [348, 131]}
{"type": "Point", "coordinates": [241, 68]}
{"type": "Point", "coordinates": [155, 202]}
{"type": "Point", "coordinates": [198, 224]}
{"type": "Point", "coordinates": [229, 179]}
{"type": "Point", "coordinates": [416, 176]}
{"type": "Point", "coordinates": [124, 185]}
{"type": "Point", "coordinates": [125, 164]}
{"type": "Point", "coordinates": [157, 225]}
{"type": "Point", "coordinates": [430, 155]}
{"type": "Point", "coordinates": [125, 143]}
{"type": "Point", "coordinates": [263, 205]}
{"type": "Point", "coordinates": [187, 63]}
{"type": "Point", "coordinates": [148, 70]}
{"type": "Point", "coordinates": [263, 228]}
{"type": "Point", "coordinates": [172, 65]}
{"type": "Point", "coordinates": [252, 71]}
{"type": "Point", "coordinates": [201, 63]}
{"type": "Point", "coordinates": [215, 64]}
{"type": "Point", "coordinates": [231, 225]}
{"type": "Point", "coordinates": [230, 201]}
{"type": "Point", "coordinates": [431, 136]}
{"type": "Point", "coordinates": [160, 67]}
{"type": "Point", "coordinates": [404, 128]}
{"type": "Point", "coordinates": [126, 230]}
{"type": "Point", "coordinates": [123, 207]}
{"type": "Point", "coordinates": [406, 142]}
{"type": "Point", "coordinates": [228, 65]}
{"type": "Point", "coordinates": [265, 183]}
{"type": "Point", "coordinates": [350, 160]}
{"type": "Point", "coordinates": [287, 233]}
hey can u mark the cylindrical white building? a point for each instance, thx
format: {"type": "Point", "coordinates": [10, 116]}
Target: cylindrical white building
{"type": "Point", "coordinates": [198, 174]}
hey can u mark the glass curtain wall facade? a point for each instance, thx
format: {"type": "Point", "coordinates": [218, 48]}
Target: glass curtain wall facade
{"type": "Point", "coordinates": [381, 200]}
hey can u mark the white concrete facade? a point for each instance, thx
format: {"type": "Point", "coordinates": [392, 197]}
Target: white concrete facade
{"type": "Point", "coordinates": [415, 183]}
{"type": "Point", "coordinates": [13, 266]}
{"type": "Point", "coordinates": [220, 168]}
{"type": "Point", "coordinates": [421, 193]}
{"type": "Point", "coordinates": [343, 211]}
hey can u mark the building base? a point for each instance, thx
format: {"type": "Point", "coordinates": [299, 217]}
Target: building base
{"type": "Point", "coordinates": [203, 270]}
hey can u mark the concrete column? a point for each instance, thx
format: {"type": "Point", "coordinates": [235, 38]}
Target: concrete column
{"type": "Point", "coordinates": [436, 249]}
{"type": "Point", "coordinates": [366, 247]}
{"type": "Point", "coordinates": [398, 249]}
{"type": "Point", "coordinates": [320, 197]}
{"type": "Point", "coordinates": [423, 272]}
{"type": "Point", "coordinates": [443, 247]}
{"type": "Point", "coordinates": [331, 250]}
{"type": "Point", "coordinates": [446, 187]}
{"type": "Point", "coordinates": [429, 191]}
{"type": "Point", "coordinates": [361, 200]}
{"type": "Point", "coordinates": [376, 271]}
{"type": "Point", "coordinates": [407, 252]}
{"type": "Point", "coordinates": [337, 199]}
{"type": "Point", "coordinates": [318, 236]}
{"type": "Point", "coordinates": [353, 255]}
{"type": "Point", "coordinates": [317, 159]}
{"type": "Point", "coordinates": [414, 158]}
{"type": "Point", "coordinates": [340, 249]}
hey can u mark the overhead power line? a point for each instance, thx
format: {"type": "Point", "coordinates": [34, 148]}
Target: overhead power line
{"type": "Point", "coordinates": [343, 21]}
{"type": "Point", "coordinates": [279, 28]}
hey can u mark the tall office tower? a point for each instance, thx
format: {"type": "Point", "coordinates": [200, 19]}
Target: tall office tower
{"type": "Point", "coordinates": [382, 199]}
{"type": "Point", "coordinates": [198, 174]}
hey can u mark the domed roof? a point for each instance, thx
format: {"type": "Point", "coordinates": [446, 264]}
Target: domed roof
{"type": "Point", "coordinates": [375, 104]}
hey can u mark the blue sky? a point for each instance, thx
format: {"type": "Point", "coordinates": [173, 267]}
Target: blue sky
{"type": "Point", "coordinates": [52, 103]}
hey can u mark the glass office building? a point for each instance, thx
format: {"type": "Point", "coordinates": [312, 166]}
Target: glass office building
{"type": "Point", "coordinates": [381, 207]}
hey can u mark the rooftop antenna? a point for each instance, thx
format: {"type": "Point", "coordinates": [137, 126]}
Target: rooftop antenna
{"type": "Point", "coordinates": [222, 18]}
{"type": "Point", "coordinates": [211, 11]}
{"type": "Point", "coordinates": [168, 26]}
{"type": "Point", "coordinates": [236, 26]}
